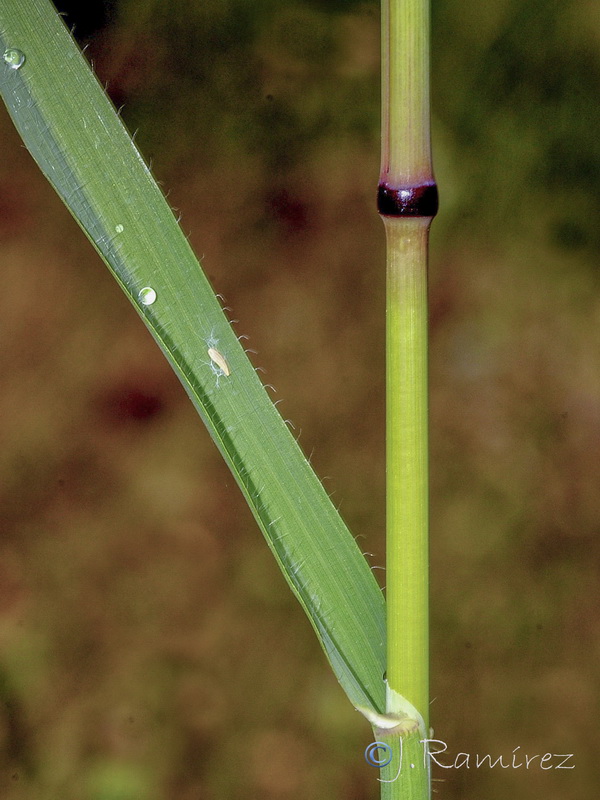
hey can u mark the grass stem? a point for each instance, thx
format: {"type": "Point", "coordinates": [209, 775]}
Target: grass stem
{"type": "Point", "coordinates": [407, 460]}
{"type": "Point", "coordinates": [407, 201]}
{"type": "Point", "coordinates": [405, 128]}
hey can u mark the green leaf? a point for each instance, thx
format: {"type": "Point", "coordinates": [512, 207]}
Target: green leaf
{"type": "Point", "coordinates": [73, 132]}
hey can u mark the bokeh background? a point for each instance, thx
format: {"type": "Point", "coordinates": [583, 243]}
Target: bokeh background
{"type": "Point", "coordinates": [149, 648]}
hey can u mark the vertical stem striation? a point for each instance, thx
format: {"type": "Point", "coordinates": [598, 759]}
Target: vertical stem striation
{"type": "Point", "coordinates": [407, 201]}
{"type": "Point", "coordinates": [407, 461]}
{"type": "Point", "coordinates": [405, 129]}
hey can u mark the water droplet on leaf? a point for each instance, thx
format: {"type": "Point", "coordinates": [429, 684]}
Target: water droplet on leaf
{"type": "Point", "coordinates": [14, 58]}
{"type": "Point", "coordinates": [147, 295]}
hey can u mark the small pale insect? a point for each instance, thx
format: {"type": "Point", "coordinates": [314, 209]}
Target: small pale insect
{"type": "Point", "coordinates": [219, 360]}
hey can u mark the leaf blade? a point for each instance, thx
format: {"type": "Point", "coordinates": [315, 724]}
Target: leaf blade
{"type": "Point", "coordinates": [74, 134]}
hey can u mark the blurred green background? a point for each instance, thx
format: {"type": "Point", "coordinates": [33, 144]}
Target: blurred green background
{"type": "Point", "coordinates": [149, 648]}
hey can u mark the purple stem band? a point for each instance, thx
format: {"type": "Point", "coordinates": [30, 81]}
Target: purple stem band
{"type": "Point", "coordinates": [407, 201]}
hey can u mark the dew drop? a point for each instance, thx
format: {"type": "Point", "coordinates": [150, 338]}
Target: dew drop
{"type": "Point", "coordinates": [147, 295]}
{"type": "Point", "coordinates": [119, 228]}
{"type": "Point", "coordinates": [14, 58]}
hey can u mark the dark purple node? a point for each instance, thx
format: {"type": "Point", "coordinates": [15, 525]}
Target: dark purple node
{"type": "Point", "coordinates": [407, 201]}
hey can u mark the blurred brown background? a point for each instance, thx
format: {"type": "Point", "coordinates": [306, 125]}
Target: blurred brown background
{"type": "Point", "coordinates": [149, 648]}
